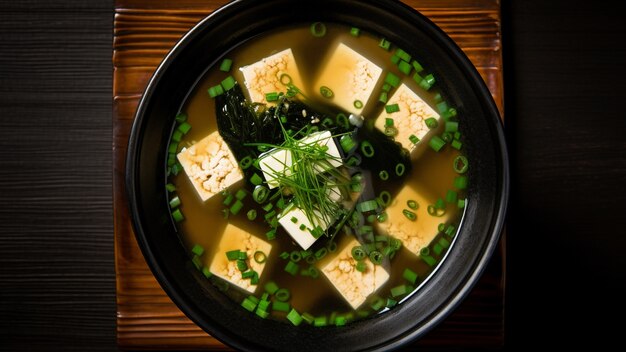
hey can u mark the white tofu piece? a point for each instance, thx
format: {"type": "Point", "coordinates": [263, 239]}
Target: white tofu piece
{"type": "Point", "coordinates": [235, 238]}
{"type": "Point", "coordinates": [354, 286]}
{"type": "Point", "coordinates": [350, 76]}
{"type": "Point", "coordinates": [263, 76]}
{"type": "Point", "coordinates": [210, 166]}
{"type": "Point", "coordinates": [410, 119]}
{"type": "Point", "coordinates": [414, 234]}
{"type": "Point", "coordinates": [278, 162]}
{"type": "Point", "coordinates": [303, 237]}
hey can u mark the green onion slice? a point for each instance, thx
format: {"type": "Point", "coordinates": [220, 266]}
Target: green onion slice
{"type": "Point", "coordinates": [260, 194]}
{"type": "Point", "coordinates": [318, 29]}
{"type": "Point", "coordinates": [326, 92]}
{"type": "Point", "coordinates": [461, 164]}
{"type": "Point", "coordinates": [259, 257]}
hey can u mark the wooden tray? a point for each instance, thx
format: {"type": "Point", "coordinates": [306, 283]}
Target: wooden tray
{"type": "Point", "coordinates": [144, 31]}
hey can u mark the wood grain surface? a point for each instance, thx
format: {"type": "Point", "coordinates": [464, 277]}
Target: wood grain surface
{"type": "Point", "coordinates": [144, 31]}
{"type": "Point", "coordinates": [565, 124]}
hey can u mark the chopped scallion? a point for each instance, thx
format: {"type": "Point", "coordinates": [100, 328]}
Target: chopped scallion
{"type": "Point", "coordinates": [436, 143]}
{"type": "Point", "coordinates": [431, 123]}
{"type": "Point", "coordinates": [427, 82]}
{"type": "Point", "coordinates": [392, 80]}
{"type": "Point", "coordinates": [409, 275]}
{"type": "Point", "coordinates": [404, 67]}
{"type": "Point", "coordinates": [358, 104]}
{"type": "Point", "coordinates": [215, 91]}
{"type": "Point", "coordinates": [321, 253]}
{"type": "Point", "coordinates": [385, 198]}
{"type": "Point", "coordinates": [417, 66]}
{"type": "Point", "coordinates": [249, 304]}
{"type": "Point", "coordinates": [383, 97]}
{"type": "Point", "coordinates": [181, 117]}
{"type": "Point", "coordinates": [347, 143]}
{"type": "Point", "coordinates": [282, 294]}
{"type": "Point", "coordinates": [228, 83]}
{"type": "Point", "coordinates": [197, 249]}
{"type": "Point", "coordinates": [367, 149]}
{"type": "Point", "coordinates": [174, 202]}
{"type": "Point", "coordinates": [233, 255]}
{"type": "Point", "coordinates": [178, 215]}
{"type": "Point", "coordinates": [417, 78]}
{"type": "Point", "coordinates": [272, 96]}
{"type": "Point", "coordinates": [242, 265]}
{"type": "Point", "coordinates": [295, 256]}
{"type": "Point", "coordinates": [225, 65]}
{"type": "Point", "coordinates": [401, 290]}
{"type": "Point", "coordinates": [342, 120]}
{"type": "Point", "coordinates": [228, 199]}
{"type": "Point", "coordinates": [318, 29]}
{"type": "Point", "coordinates": [206, 272]}
{"type": "Point", "coordinates": [326, 92]}
{"type": "Point", "coordinates": [385, 44]}
{"type": "Point", "coordinates": [409, 214]}
{"type": "Point", "coordinates": [354, 31]}
{"type": "Point", "coordinates": [358, 253]}
{"type": "Point", "coordinates": [376, 257]}
{"type": "Point", "coordinates": [367, 205]}
{"type": "Point", "coordinates": [255, 179]}
{"type": "Point", "coordinates": [281, 306]}
{"type": "Point", "coordinates": [400, 168]}
{"type": "Point", "coordinates": [391, 131]}
{"type": "Point", "coordinates": [452, 126]}
{"type": "Point", "coordinates": [240, 194]}
{"type": "Point", "coordinates": [184, 127]}
{"type": "Point", "coordinates": [292, 268]}
{"type": "Point", "coordinates": [403, 55]}
{"type": "Point", "coordinates": [451, 196]}
{"type": "Point", "coordinates": [245, 162]}
{"type": "Point", "coordinates": [260, 194]}
{"type": "Point", "coordinates": [461, 164]}
{"type": "Point", "coordinates": [271, 287]}
{"type": "Point", "coordinates": [442, 107]}
{"type": "Point", "coordinates": [235, 208]}
{"type": "Point", "coordinates": [392, 108]}
{"type": "Point", "coordinates": [460, 182]}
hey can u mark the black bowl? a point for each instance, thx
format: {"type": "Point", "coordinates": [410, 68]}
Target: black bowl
{"type": "Point", "coordinates": [213, 311]}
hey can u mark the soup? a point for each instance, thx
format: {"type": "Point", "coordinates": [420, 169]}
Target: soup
{"type": "Point", "coordinates": [316, 174]}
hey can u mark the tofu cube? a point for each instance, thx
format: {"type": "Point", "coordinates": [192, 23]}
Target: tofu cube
{"type": "Point", "coordinates": [210, 166]}
{"type": "Point", "coordinates": [235, 238]}
{"type": "Point", "coordinates": [277, 162]}
{"type": "Point", "coordinates": [264, 76]}
{"type": "Point", "coordinates": [414, 234]}
{"type": "Point", "coordinates": [354, 286]}
{"type": "Point", "coordinates": [409, 120]}
{"type": "Point", "coordinates": [302, 236]}
{"type": "Point", "coordinates": [350, 76]}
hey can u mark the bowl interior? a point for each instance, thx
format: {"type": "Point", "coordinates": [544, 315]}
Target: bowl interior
{"type": "Point", "coordinates": [186, 64]}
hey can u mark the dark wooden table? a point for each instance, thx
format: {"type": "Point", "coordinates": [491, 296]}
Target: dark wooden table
{"type": "Point", "coordinates": [566, 126]}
